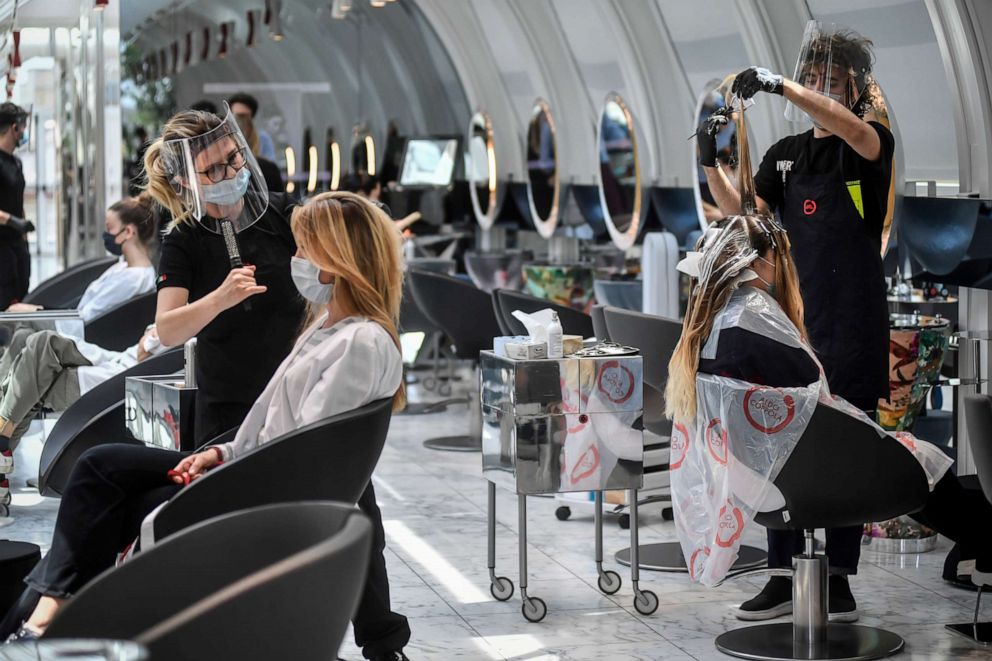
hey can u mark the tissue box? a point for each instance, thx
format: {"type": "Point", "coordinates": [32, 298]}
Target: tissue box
{"type": "Point", "coordinates": [499, 343]}
{"type": "Point", "coordinates": [528, 350]}
{"type": "Point", "coordinates": [571, 343]}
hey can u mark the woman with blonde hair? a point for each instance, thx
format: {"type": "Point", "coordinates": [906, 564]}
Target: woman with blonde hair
{"type": "Point", "coordinates": [349, 266]}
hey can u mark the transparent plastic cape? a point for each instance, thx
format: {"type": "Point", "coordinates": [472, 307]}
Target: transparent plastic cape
{"type": "Point", "coordinates": [217, 177]}
{"type": "Point", "coordinates": [724, 462]}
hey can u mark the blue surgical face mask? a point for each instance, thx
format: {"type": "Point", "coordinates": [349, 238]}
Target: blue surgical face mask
{"type": "Point", "coordinates": [229, 191]}
{"type": "Point", "coordinates": [110, 243]}
{"type": "Point", "coordinates": [306, 277]}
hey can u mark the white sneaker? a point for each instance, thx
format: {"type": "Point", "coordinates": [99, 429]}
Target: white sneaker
{"type": "Point", "coordinates": [6, 462]}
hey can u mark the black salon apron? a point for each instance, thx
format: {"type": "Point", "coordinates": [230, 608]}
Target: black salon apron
{"type": "Point", "coordinates": [842, 283]}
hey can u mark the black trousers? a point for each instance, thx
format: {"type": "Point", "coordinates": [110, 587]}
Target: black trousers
{"type": "Point", "coordinates": [112, 489]}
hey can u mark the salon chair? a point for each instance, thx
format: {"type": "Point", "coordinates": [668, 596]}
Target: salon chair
{"type": "Point", "coordinates": [466, 316]}
{"type": "Point", "coordinates": [507, 301]}
{"type": "Point", "coordinates": [598, 314]}
{"type": "Point", "coordinates": [625, 294]}
{"type": "Point", "coordinates": [274, 582]}
{"type": "Point", "coordinates": [815, 498]}
{"type": "Point", "coordinates": [63, 290]}
{"type": "Point", "coordinates": [978, 413]}
{"type": "Point", "coordinates": [120, 327]}
{"type": "Point", "coordinates": [94, 419]}
{"type": "Point", "coordinates": [656, 338]}
{"type": "Point", "coordinates": [332, 459]}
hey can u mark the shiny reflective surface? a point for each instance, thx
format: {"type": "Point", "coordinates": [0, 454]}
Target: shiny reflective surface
{"type": "Point", "coordinates": [482, 173]}
{"type": "Point", "coordinates": [711, 100]}
{"type": "Point", "coordinates": [159, 411]}
{"type": "Point", "coordinates": [619, 172]}
{"type": "Point", "coordinates": [78, 650]}
{"type": "Point", "coordinates": [543, 182]}
{"type": "Point", "coordinates": [495, 270]}
{"type": "Point", "coordinates": [554, 426]}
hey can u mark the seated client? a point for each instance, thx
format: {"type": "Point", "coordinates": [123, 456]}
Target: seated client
{"type": "Point", "coordinates": [349, 263]}
{"type": "Point", "coordinates": [743, 384]}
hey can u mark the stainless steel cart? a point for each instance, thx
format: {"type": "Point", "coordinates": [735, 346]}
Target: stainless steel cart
{"type": "Point", "coordinates": [556, 426]}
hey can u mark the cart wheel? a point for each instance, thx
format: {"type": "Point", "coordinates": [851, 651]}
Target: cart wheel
{"type": "Point", "coordinates": [609, 582]}
{"type": "Point", "coordinates": [563, 512]}
{"type": "Point", "coordinates": [5, 510]}
{"type": "Point", "coordinates": [668, 514]}
{"type": "Point", "coordinates": [646, 602]}
{"type": "Point", "coordinates": [429, 383]}
{"type": "Point", "coordinates": [534, 609]}
{"type": "Point", "coordinates": [502, 588]}
{"type": "Point", "coordinates": [624, 521]}
{"type": "Point", "coordinates": [444, 389]}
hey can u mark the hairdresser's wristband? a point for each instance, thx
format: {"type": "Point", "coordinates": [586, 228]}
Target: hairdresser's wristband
{"type": "Point", "coordinates": [220, 454]}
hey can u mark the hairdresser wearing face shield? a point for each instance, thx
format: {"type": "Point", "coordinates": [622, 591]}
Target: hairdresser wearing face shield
{"type": "Point", "coordinates": [829, 186]}
{"type": "Point", "coordinates": [224, 274]}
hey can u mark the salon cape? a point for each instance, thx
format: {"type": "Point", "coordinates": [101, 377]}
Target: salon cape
{"type": "Point", "coordinates": [355, 364]}
{"type": "Point", "coordinates": [724, 462]}
{"type": "Point", "coordinates": [116, 285]}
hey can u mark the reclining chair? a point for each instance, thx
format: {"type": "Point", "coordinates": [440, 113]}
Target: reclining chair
{"type": "Point", "coordinates": [63, 290]}
{"type": "Point", "coordinates": [815, 498]}
{"type": "Point", "coordinates": [120, 327]}
{"type": "Point", "coordinates": [506, 301]}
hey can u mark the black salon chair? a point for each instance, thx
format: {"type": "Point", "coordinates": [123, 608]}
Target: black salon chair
{"type": "Point", "coordinates": [465, 314]}
{"type": "Point", "coordinates": [63, 290]}
{"type": "Point", "coordinates": [815, 498]}
{"type": "Point", "coordinates": [95, 418]}
{"type": "Point", "coordinates": [119, 328]}
{"type": "Point", "coordinates": [413, 320]}
{"type": "Point", "coordinates": [332, 459]}
{"type": "Point", "coordinates": [275, 582]}
{"type": "Point", "coordinates": [656, 338]}
{"type": "Point", "coordinates": [978, 413]}
{"type": "Point", "coordinates": [598, 314]}
{"type": "Point", "coordinates": [572, 321]}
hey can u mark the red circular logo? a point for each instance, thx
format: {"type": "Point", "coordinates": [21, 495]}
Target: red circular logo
{"type": "Point", "coordinates": [616, 382]}
{"type": "Point", "coordinates": [730, 526]}
{"type": "Point", "coordinates": [679, 446]}
{"type": "Point", "coordinates": [586, 465]}
{"type": "Point", "coordinates": [768, 405]}
{"type": "Point", "coordinates": [907, 440]}
{"type": "Point", "coordinates": [694, 561]}
{"type": "Point", "coordinates": [809, 207]}
{"type": "Point", "coordinates": [716, 440]}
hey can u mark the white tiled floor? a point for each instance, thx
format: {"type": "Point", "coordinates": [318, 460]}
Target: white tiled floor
{"type": "Point", "coordinates": [433, 506]}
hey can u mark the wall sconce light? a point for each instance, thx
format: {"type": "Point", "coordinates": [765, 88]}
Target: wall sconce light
{"type": "Point", "coordinates": [290, 169]}
{"type": "Point", "coordinates": [340, 9]}
{"type": "Point", "coordinates": [205, 49]}
{"type": "Point", "coordinates": [254, 21]}
{"type": "Point", "coordinates": [188, 51]}
{"type": "Point", "coordinates": [335, 165]}
{"type": "Point", "coordinates": [370, 152]}
{"type": "Point", "coordinates": [312, 179]}
{"type": "Point", "coordinates": [273, 20]}
{"type": "Point", "coordinates": [100, 5]}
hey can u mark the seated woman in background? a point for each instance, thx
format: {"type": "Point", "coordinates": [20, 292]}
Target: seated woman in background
{"type": "Point", "coordinates": [349, 263]}
{"type": "Point", "coordinates": [743, 339]}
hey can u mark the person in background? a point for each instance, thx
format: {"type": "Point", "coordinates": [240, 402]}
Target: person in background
{"type": "Point", "coordinates": [205, 105]}
{"type": "Point", "coordinates": [246, 105]}
{"type": "Point", "coordinates": [15, 260]}
{"type": "Point", "coordinates": [244, 108]}
{"type": "Point", "coordinates": [371, 189]}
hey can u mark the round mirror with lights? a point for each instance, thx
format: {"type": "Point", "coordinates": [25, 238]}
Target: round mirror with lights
{"type": "Point", "coordinates": [712, 99]}
{"type": "Point", "coordinates": [543, 181]}
{"type": "Point", "coordinates": [482, 174]}
{"type": "Point", "coordinates": [619, 172]}
{"type": "Point", "coordinates": [363, 156]}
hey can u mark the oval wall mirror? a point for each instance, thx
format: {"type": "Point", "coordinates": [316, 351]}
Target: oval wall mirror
{"type": "Point", "coordinates": [363, 157]}
{"type": "Point", "coordinates": [712, 99]}
{"type": "Point", "coordinates": [619, 172]}
{"type": "Point", "coordinates": [482, 173]}
{"type": "Point", "coordinates": [543, 181]}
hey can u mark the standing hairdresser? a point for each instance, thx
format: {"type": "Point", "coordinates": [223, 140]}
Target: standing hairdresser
{"type": "Point", "coordinates": [246, 317]}
{"type": "Point", "coordinates": [830, 188]}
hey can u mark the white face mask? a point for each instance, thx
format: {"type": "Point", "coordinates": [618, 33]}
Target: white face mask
{"type": "Point", "coordinates": [306, 277]}
{"type": "Point", "coordinates": [228, 191]}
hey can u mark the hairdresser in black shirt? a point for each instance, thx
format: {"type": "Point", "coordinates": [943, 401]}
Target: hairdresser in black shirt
{"type": "Point", "coordinates": [829, 186]}
{"type": "Point", "coordinates": [15, 260]}
{"type": "Point", "coordinates": [224, 274]}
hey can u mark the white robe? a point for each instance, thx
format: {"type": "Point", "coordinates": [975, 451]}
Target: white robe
{"type": "Point", "coordinates": [117, 284]}
{"type": "Point", "coordinates": [353, 366]}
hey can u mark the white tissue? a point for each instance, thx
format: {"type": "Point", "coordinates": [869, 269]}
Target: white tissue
{"type": "Point", "coordinates": [536, 323]}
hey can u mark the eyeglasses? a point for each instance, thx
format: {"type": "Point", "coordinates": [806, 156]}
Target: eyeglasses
{"type": "Point", "coordinates": [218, 171]}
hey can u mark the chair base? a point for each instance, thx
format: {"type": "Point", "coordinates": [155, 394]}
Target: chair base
{"type": "Point", "coordinates": [424, 408]}
{"type": "Point", "coordinates": [667, 556]}
{"type": "Point", "coordinates": [980, 633]}
{"type": "Point", "coordinates": [773, 642]}
{"type": "Point", "coordinates": [454, 444]}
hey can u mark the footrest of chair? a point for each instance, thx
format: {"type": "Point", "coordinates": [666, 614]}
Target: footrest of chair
{"type": "Point", "coordinates": [980, 633]}
{"type": "Point", "coordinates": [454, 444]}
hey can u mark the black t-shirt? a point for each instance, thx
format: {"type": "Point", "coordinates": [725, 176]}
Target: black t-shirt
{"type": "Point", "coordinates": [11, 185]}
{"type": "Point", "coordinates": [239, 351]}
{"type": "Point", "coordinates": [868, 180]}
{"type": "Point", "coordinates": [747, 356]}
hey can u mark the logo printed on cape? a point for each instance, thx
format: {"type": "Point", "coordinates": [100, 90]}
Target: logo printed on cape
{"type": "Point", "coordinates": [716, 441]}
{"type": "Point", "coordinates": [768, 405]}
{"type": "Point", "coordinates": [809, 207]}
{"type": "Point", "coordinates": [695, 561]}
{"type": "Point", "coordinates": [586, 465]}
{"type": "Point", "coordinates": [616, 382]}
{"type": "Point", "coordinates": [679, 447]}
{"type": "Point", "coordinates": [907, 440]}
{"type": "Point", "coordinates": [730, 525]}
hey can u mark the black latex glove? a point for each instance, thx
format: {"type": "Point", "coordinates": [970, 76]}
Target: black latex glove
{"type": "Point", "coordinates": [706, 138]}
{"type": "Point", "coordinates": [756, 79]}
{"type": "Point", "coordinates": [21, 225]}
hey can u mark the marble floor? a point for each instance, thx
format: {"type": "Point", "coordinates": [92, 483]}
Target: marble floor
{"type": "Point", "coordinates": [434, 512]}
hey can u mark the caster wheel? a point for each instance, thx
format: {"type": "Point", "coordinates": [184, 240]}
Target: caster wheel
{"type": "Point", "coordinates": [668, 514]}
{"type": "Point", "coordinates": [563, 512]}
{"type": "Point", "coordinates": [4, 511]}
{"type": "Point", "coordinates": [502, 589]}
{"type": "Point", "coordinates": [429, 383]}
{"type": "Point", "coordinates": [444, 389]}
{"type": "Point", "coordinates": [609, 582]}
{"type": "Point", "coordinates": [646, 602]}
{"type": "Point", "coordinates": [624, 521]}
{"type": "Point", "coordinates": [534, 609]}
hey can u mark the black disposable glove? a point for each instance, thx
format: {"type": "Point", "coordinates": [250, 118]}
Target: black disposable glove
{"type": "Point", "coordinates": [21, 225]}
{"type": "Point", "coordinates": [706, 138]}
{"type": "Point", "coordinates": [756, 79]}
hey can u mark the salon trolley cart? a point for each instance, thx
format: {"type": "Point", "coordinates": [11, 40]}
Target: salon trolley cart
{"type": "Point", "coordinates": [556, 426]}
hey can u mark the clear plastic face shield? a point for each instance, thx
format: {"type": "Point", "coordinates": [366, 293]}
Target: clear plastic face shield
{"type": "Point", "coordinates": [217, 177]}
{"type": "Point", "coordinates": [831, 62]}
